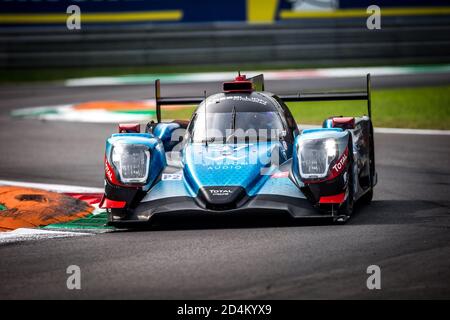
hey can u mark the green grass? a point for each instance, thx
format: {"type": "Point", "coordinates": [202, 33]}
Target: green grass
{"type": "Point", "coordinates": [424, 108]}
{"type": "Point", "coordinates": [97, 221]}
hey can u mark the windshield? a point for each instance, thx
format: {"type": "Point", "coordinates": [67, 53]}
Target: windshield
{"type": "Point", "coordinates": [231, 126]}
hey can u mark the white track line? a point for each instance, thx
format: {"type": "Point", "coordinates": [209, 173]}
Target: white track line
{"type": "Point", "coordinates": [51, 187]}
{"type": "Point", "coordinates": [27, 234]}
{"type": "Point", "coordinates": [392, 130]}
{"type": "Point", "coordinates": [413, 131]}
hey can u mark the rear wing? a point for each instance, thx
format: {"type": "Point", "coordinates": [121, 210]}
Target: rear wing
{"type": "Point", "coordinates": [258, 85]}
{"type": "Point", "coordinates": [171, 101]}
{"type": "Point", "coordinates": [335, 96]}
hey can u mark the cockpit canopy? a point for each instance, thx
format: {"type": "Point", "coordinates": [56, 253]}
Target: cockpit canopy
{"type": "Point", "coordinates": [236, 117]}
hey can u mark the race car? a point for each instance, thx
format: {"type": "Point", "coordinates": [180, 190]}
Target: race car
{"type": "Point", "coordinates": [240, 154]}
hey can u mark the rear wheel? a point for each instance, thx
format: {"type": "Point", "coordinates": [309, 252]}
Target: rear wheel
{"type": "Point", "coordinates": [367, 197]}
{"type": "Point", "coordinates": [346, 209]}
{"type": "Point", "coordinates": [372, 153]}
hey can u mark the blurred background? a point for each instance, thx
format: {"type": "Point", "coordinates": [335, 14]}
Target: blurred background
{"type": "Point", "coordinates": [142, 36]}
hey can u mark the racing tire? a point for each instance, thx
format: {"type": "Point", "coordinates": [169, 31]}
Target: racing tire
{"type": "Point", "coordinates": [367, 197]}
{"type": "Point", "coordinates": [114, 212]}
{"type": "Point", "coordinates": [346, 209]}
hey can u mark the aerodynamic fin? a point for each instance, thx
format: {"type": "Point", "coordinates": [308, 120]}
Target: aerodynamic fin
{"type": "Point", "coordinates": [335, 96]}
{"type": "Point", "coordinates": [171, 101]}
{"type": "Point", "coordinates": [258, 82]}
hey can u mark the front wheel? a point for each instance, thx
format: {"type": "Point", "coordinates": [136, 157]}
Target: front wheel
{"type": "Point", "coordinates": [346, 208]}
{"type": "Point", "coordinates": [116, 213]}
{"type": "Point", "coordinates": [367, 197]}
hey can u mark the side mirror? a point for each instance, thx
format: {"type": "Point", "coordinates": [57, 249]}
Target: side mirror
{"type": "Point", "coordinates": [170, 133]}
{"type": "Point", "coordinates": [129, 128]}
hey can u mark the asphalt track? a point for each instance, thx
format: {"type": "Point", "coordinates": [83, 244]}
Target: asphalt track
{"type": "Point", "coordinates": [405, 230]}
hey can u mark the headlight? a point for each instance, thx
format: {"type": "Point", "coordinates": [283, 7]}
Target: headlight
{"type": "Point", "coordinates": [315, 157]}
{"type": "Point", "coordinates": [132, 162]}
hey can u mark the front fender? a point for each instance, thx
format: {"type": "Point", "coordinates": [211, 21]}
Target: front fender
{"type": "Point", "coordinates": [157, 154]}
{"type": "Point", "coordinates": [334, 181]}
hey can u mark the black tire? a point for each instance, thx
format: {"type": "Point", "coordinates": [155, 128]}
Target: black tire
{"type": "Point", "coordinates": [346, 208]}
{"type": "Point", "coordinates": [115, 212]}
{"type": "Point", "coordinates": [367, 197]}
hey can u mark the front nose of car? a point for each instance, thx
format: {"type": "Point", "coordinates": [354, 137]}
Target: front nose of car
{"type": "Point", "coordinates": [221, 175]}
{"type": "Point", "coordinates": [222, 197]}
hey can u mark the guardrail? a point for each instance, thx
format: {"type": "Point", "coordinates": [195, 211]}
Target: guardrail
{"type": "Point", "coordinates": [309, 41]}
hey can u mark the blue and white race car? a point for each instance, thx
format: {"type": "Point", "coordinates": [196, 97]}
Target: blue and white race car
{"type": "Point", "coordinates": [240, 154]}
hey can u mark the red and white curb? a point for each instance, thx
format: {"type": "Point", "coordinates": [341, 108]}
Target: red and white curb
{"type": "Point", "coordinates": [28, 234]}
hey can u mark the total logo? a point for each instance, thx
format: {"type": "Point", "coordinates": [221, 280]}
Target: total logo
{"type": "Point", "coordinates": [221, 192]}
{"type": "Point", "coordinates": [228, 153]}
{"type": "Point", "coordinates": [108, 171]}
{"type": "Point", "coordinates": [341, 163]}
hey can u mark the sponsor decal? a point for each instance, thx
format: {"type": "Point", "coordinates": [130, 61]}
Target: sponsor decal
{"type": "Point", "coordinates": [110, 174]}
{"type": "Point", "coordinates": [223, 192]}
{"type": "Point", "coordinates": [283, 174]}
{"type": "Point", "coordinates": [229, 157]}
{"type": "Point", "coordinates": [227, 152]}
{"type": "Point", "coordinates": [225, 167]}
{"type": "Point", "coordinates": [171, 176]}
{"type": "Point", "coordinates": [244, 98]}
{"type": "Point", "coordinates": [340, 165]}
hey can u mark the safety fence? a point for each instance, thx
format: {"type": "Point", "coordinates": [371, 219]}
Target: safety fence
{"type": "Point", "coordinates": [306, 42]}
